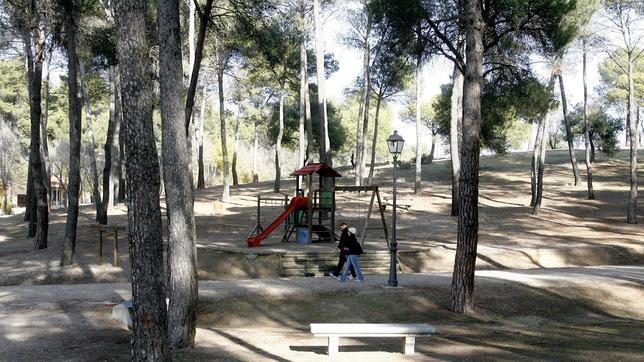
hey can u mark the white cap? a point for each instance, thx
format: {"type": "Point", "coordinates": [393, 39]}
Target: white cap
{"type": "Point", "coordinates": [352, 230]}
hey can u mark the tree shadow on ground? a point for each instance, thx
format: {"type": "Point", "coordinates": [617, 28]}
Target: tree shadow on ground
{"type": "Point", "coordinates": [512, 320]}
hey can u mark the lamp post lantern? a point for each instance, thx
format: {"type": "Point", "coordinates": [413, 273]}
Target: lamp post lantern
{"type": "Point", "coordinates": [395, 143]}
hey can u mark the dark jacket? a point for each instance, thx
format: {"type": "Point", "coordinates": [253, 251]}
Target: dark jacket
{"type": "Point", "coordinates": [344, 240]}
{"type": "Point", "coordinates": [354, 246]}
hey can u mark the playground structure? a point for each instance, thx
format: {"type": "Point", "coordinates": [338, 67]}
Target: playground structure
{"type": "Point", "coordinates": [315, 212]}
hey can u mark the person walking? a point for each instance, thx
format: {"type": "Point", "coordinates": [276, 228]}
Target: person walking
{"type": "Point", "coordinates": [354, 249]}
{"type": "Point", "coordinates": [343, 246]}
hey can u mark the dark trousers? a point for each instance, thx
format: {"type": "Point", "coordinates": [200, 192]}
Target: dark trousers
{"type": "Point", "coordinates": [338, 269]}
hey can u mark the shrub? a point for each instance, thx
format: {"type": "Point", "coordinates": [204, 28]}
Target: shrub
{"type": "Point", "coordinates": [7, 207]}
{"type": "Point", "coordinates": [427, 158]}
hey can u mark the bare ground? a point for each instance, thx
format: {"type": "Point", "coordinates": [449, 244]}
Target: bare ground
{"type": "Point", "coordinates": [570, 231]}
{"type": "Point", "coordinates": [592, 313]}
{"type": "Point", "coordinates": [547, 313]}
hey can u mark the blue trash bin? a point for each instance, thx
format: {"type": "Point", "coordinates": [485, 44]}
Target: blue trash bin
{"type": "Point", "coordinates": [302, 235]}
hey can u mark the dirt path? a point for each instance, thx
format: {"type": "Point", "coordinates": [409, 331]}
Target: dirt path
{"type": "Point", "coordinates": [593, 313]}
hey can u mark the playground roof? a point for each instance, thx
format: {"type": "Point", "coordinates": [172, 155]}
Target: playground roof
{"type": "Point", "coordinates": [321, 169]}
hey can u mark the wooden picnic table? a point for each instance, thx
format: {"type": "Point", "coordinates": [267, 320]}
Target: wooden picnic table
{"type": "Point", "coordinates": [108, 228]}
{"type": "Point", "coordinates": [403, 201]}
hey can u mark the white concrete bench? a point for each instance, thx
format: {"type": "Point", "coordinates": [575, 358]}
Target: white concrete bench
{"type": "Point", "coordinates": [334, 331]}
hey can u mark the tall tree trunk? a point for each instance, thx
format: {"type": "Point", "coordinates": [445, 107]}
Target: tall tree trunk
{"type": "Point", "coordinates": [571, 146]}
{"type": "Point", "coordinates": [304, 87]}
{"type": "Point", "coordinates": [235, 147]}
{"type": "Point", "coordinates": [641, 132]}
{"type": "Point", "coordinates": [192, 9]}
{"type": "Point", "coordinates": [455, 129]}
{"type": "Point", "coordinates": [639, 137]}
{"type": "Point", "coordinates": [91, 146]}
{"type": "Point", "coordinates": [43, 134]}
{"type": "Point", "coordinates": [309, 121]}
{"type": "Point", "coordinates": [631, 124]}
{"type": "Point", "coordinates": [122, 194]}
{"type": "Point", "coordinates": [278, 142]}
{"type": "Point", "coordinates": [201, 181]}
{"type": "Point", "coordinates": [29, 197]}
{"type": "Point", "coordinates": [375, 140]}
{"type": "Point", "coordinates": [115, 172]}
{"type": "Point", "coordinates": [110, 144]}
{"type": "Point", "coordinates": [592, 150]}
{"type": "Point", "coordinates": [363, 113]}
{"type": "Point", "coordinates": [74, 109]}
{"type": "Point", "coordinates": [543, 144]}
{"type": "Point", "coordinates": [35, 62]}
{"type": "Point", "coordinates": [149, 336]}
{"type": "Point", "coordinates": [182, 247]}
{"type": "Point", "coordinates": [204, 17]}
{"type": "Point", "coordinates": [627, 131]}
{"type": "Point", "coordinates": [325, 145]}
{"type": "Point", "coordinates": [302, 145]}
{"type": "Point", "coordinates": [255, 150]}
{"type": "Point", "coordinates": [534, 167]}
{"type": "Point", "coordinates": [419, 146]}
{"type": "Point", "coordinates": [31, 208]}
{"type": "Point", "coordinates": [431, 151]}
{"type": "Point", "coordinates": [589, 165]}
{"type": "Point", "coordinates": [462, 288]}
{"type": "Point", "coordinates": [222, 120]}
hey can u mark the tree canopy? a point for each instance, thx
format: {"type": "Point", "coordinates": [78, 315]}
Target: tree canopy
{"type": "Point", "coordinates": [503, 107]}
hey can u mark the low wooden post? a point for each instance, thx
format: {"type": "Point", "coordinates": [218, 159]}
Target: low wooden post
{"type": "Point", "coordinates": [106, 229]}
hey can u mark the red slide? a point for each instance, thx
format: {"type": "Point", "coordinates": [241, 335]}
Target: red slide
{"type": "Point", "coordinates": [296, 203]}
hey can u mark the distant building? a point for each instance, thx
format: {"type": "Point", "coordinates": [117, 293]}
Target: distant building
{"type": "Point", "coordinates": [57, 194]}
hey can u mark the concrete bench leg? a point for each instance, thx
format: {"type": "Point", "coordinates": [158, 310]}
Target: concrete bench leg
{"type": "Point", "coordinates": [334, 342]}
{"type": "Point", "coordinates": [408, 344]}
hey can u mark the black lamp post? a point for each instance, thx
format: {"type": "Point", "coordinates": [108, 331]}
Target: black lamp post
{"type": "Point", "coordinates": [395, 143]}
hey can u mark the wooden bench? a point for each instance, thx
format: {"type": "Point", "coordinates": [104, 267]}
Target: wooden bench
{"type": "Point", "coordinates": [333, 331]}
{"type": "Point", "coordinates": [108, 228]}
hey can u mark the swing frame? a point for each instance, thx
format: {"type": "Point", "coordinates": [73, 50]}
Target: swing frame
{"type": "Point", "coordinates": [267, 200]}
{"type": "Point", "coordinates": [375, 196]}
